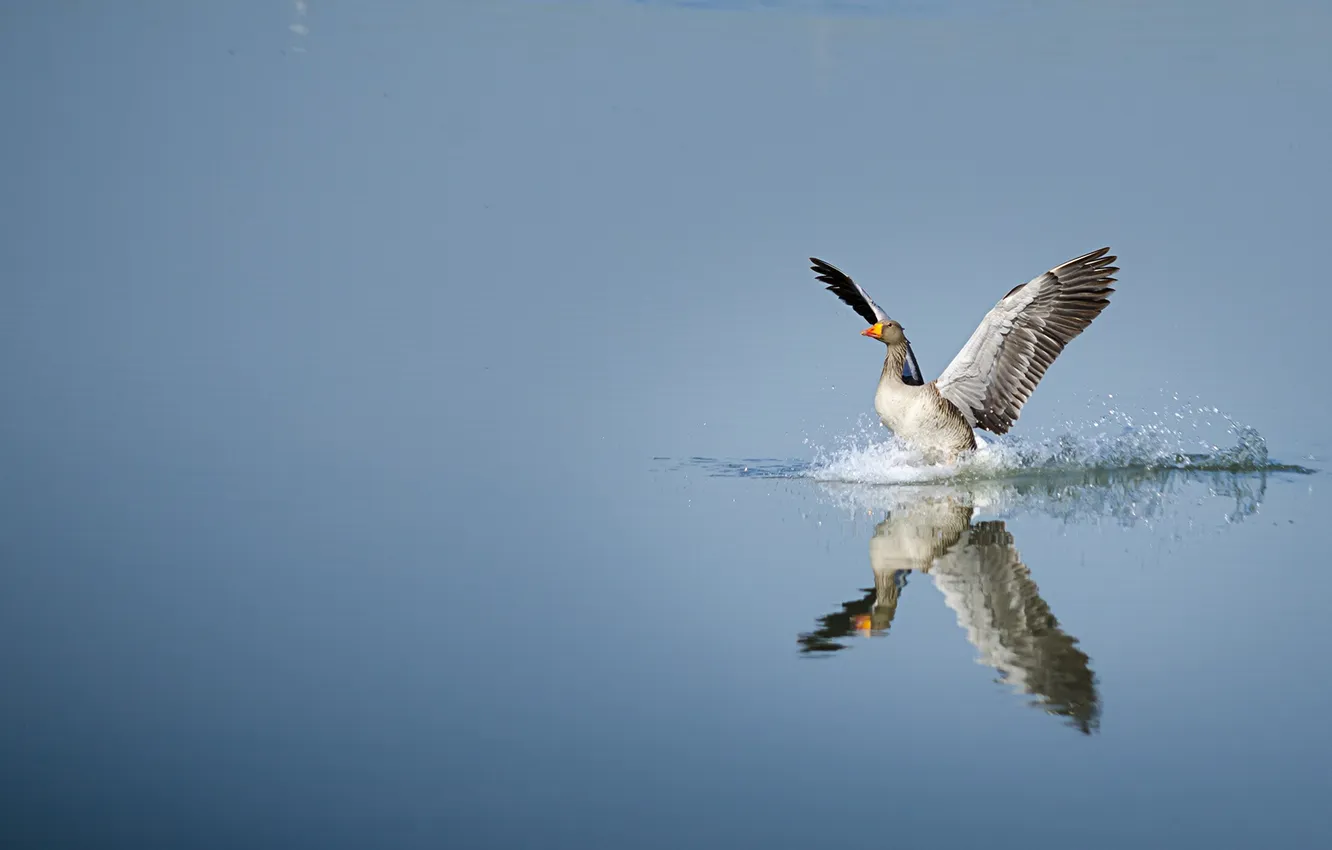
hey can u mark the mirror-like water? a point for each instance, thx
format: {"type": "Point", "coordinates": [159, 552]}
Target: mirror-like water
{"type": "Point", "coordinates": [420, 427]}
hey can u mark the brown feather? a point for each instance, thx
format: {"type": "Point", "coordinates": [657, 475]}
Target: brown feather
{"type": "Point", "coordinates": [1069, 297]}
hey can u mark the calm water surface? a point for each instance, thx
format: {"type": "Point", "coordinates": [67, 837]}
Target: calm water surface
{"type": "Point", "coordinates": [379, 388]}
{"type": "Point", "coordinates": [231, 654]}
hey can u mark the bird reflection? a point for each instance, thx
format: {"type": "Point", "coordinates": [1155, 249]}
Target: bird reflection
{"type": "Point", "coordinates": [983, 580]}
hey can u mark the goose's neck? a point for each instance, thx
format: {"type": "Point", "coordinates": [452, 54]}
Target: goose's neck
{"type": "Point", "coordinates": [893, 363]}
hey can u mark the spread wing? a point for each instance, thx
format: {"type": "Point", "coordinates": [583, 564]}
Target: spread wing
{"type": "Point", "coordinates": [996, 371]}
{"type": "Point", "coordinates": [841, 285]}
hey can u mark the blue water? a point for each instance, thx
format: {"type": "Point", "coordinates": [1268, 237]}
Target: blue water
{"type": "Point", "coordinates": [420, 428]}
{"type": "Point", "coordinates": [220, 651]}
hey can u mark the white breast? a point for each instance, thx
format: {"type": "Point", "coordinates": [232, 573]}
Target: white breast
{"type": "Point", "coordinates": [914, 414]}
{"type": "Point", "coordinates": [902, 408]}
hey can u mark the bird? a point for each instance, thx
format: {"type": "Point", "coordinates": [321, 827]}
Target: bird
{"type": "Point", "coordinates": [991, 378]}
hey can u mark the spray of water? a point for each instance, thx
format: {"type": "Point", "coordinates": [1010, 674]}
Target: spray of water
{"type": "Point", "coordinates": [1178, 435]}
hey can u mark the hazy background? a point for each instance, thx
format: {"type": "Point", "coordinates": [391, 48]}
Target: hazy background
{"type": "Point", "coordinates": [586, 224]}
{"type": "Point", "coordinates": [337, 340]}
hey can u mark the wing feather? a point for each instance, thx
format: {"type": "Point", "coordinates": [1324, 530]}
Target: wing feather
{"type": "Point", "coordinates": [998, 369]}
{"type": "Point", "coordinates": [841, 285]}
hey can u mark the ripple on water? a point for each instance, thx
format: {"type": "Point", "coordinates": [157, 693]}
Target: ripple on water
{"type": "Point", "coordinates": [1115, 465]}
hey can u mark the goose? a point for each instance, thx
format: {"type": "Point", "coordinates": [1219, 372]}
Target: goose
{"type": "Point", "coordinates": [996, 371]}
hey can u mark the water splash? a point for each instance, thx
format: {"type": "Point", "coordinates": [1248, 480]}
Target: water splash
{"type": "Point", "coordinates": [1124, 498]}
{"type": "Point", "coordinates": [1172, 438]}
{"type": "Point", "coordinates": [1116, 467]}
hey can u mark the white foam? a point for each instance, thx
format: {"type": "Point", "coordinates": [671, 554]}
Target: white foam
{"type": "Point", "coordinates": [1176, 436]}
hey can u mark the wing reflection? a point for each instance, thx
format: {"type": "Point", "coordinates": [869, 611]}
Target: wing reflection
{"type": "Point", "coordinates": [995, 600]}
{"type": "Point", "coordinates": [983, 580]}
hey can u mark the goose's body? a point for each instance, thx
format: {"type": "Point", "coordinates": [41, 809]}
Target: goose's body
{"type": "Point", "coordinates": [919, 413]}
{"type": "Point", "coordinates": [996, 371]}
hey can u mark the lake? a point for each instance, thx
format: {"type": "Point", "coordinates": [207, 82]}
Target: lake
{"type": "Point", "coordinates": [749, 651]}
{"type": "Point", "coordinates": [421, 427]}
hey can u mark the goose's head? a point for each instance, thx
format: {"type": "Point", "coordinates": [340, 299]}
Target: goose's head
{"type": "Point", "coordinates": [889, 332]}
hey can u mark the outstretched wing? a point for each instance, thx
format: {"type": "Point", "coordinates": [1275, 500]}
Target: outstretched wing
{"type": "Point", "coordinates": [841, 285]}
{"type": "Point", "coordinates": [996, 371]}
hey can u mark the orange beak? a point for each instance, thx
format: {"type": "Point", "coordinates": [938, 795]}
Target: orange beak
{"type": "Point", "coordinates": [875, 330]}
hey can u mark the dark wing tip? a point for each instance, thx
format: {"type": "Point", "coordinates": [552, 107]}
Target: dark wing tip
{"type": "Point", "coordinates": [826, 271]}
{"type": "Point", "coordinates": [839, 283]}
{"type": "Point", "coordinates": [1100, 258]}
